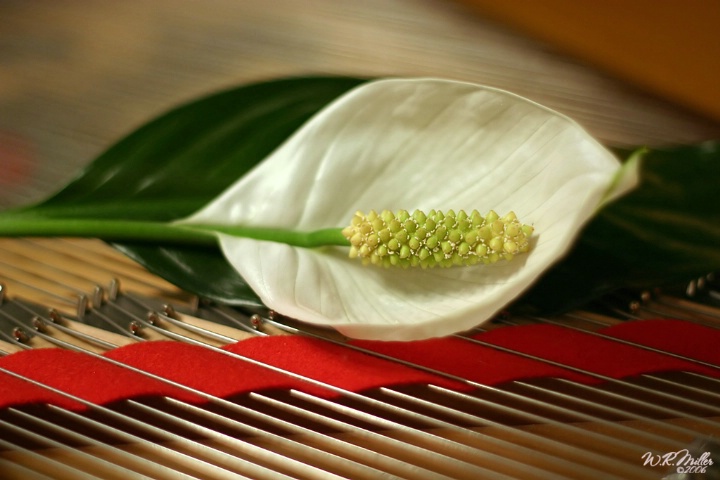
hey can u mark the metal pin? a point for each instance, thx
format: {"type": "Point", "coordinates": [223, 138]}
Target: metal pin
{"type": "Point", "coordinates": [418, 405]}
{"type": "Point", "coordinates": [82, 306]}
{"type": "Point", "coordinates": [20, 335]}
{"type": "Point", "coordinates": [193, 328]}
{"type": "Point", "coordinates": [169, 310]}
{"type": "Point", "coordinates": [135, 327]}
{"type": "Point", "coordinates": [55, 317]}
{"type": "Point", "coordinates": [113, 289]}
{"type": "Point", "coordinates": [256, 321]}
{"type": "Point", "coordinates": [98, 296]}
{"type": "Point", "coordinates": [39, 324]}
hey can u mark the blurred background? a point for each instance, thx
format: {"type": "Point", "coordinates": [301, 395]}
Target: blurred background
{"type": "Point", "coordinates": [77, 75]}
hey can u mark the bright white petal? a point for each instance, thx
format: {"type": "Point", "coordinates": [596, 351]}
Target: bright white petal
{"type": "Point", "coordinates": [411, 144]}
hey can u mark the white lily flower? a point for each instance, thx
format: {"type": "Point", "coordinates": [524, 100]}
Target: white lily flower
{"type": "Point", "coordinates": [413, 144]}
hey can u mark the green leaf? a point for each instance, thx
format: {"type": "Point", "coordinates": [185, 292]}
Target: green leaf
{"type": "Point", "coordinates": [664, 232]}
{"type": "Point", "coordinates": [177, 163]}
{"type": "Point", "coordinates": [667, 230]}
{"type": "Point", "coordinates": [180, 161]}
{"type": "Point", "coordinates": [203, 271]}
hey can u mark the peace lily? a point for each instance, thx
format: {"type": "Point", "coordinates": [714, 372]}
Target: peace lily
{"type": "Point", "coordinates": [407, 145]}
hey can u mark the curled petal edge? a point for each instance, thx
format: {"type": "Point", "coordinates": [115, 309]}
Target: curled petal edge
{"type": "Point", "coordinates": [325, 288]}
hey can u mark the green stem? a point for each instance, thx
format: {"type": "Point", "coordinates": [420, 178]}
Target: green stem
{"type": "Point", "coordinates": [161, 233]}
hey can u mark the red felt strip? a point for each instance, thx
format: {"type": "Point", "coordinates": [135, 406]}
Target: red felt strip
{"type": "Point", "coordinates": [15, 392]}
{"type": "Point", "coordinates": [81, 375]}
{"type": "Point", "coordinates": [222, 375]}
{"type": "Point", "coordinates": [335, 365]}
{"type": "Point", "coordinates": [465, 359]}
{"type": "Point", "coordinates": [197, 367]}
{"type": "Point", "coordinates": [681, 338]}
{"type": "Point", "coordinates": [596, 354]}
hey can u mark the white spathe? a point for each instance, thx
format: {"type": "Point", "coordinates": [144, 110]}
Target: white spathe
{"type": "Point", "coordinates": [413, 144]}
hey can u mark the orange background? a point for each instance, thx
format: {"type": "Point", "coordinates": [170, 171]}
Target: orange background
{"type": "Point", "coordinates": [668, 47]}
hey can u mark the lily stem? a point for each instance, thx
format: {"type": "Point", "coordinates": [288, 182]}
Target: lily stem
{"type": "Point", "coordinates": [161, 233]}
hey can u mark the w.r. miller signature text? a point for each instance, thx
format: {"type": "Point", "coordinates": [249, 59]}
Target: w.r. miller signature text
{"type": "Point", "coordinates": [681, 460]}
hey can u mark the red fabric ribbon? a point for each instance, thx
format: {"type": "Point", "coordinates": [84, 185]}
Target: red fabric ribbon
{"type": "Point", "coordinates": [334, 369]}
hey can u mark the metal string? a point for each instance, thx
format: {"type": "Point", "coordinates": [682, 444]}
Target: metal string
{"type": "Point", "coordinates": [250, 327]}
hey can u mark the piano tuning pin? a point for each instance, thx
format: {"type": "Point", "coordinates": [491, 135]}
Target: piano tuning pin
{"type": "Point", "coordinates": [113, 289]}
{"type": "Point", "coordinates": [82, 306]}
{"type": "Point", "coordinates": [20, 335]}
{"type": "Point", "coordinates": [256, 321]}
{"type": "Point", "coordinates": [98, 296]}
{"type": "Point", "coordinates": [55, 316]}
{"type": "Point", "coordinates": [38, 324]}
{"type": "Point", "coordinates": [646, 296]}
{"type": "Point", "coordinates": [135, 327]}
{"type": "Point", "coordinates": [152, 318]}
{"type": "Point", "coordinates": [169, 310]}
{"type": "Point", "coordinates": [633, 306]}
{"type": "Point", "coordinates": [700, 285]}
{"type": "Point", "coordinates": [625, 302]}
